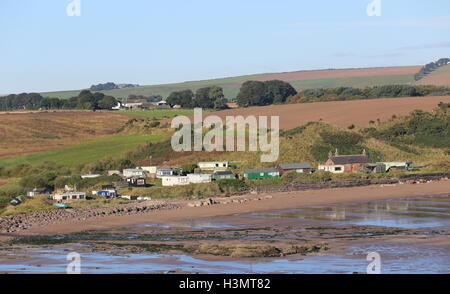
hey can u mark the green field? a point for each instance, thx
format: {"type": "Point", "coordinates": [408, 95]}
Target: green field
{"type": "Point", "coordinates": [86, 152]}
{"type": "Point", "coordinates": [160, 113]}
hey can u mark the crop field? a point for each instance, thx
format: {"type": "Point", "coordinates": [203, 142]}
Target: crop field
{"type": "Point", "coordinates": [340, 113]}
{"type": "Point", "coordinates": [302, 79]}
{"type": "Point", "coordinates": [440, 77]}
{"type": "Point", "coordinates": [30, 132]}
{"type": "Point", "coordinates": [85, 152]}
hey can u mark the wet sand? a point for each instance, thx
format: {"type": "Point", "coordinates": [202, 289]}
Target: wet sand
{"type": "Point", "coordinates": [265, 202]}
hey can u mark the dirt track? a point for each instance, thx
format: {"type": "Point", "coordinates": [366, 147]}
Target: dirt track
{"type": "Point", "coordinates": [340, 113]}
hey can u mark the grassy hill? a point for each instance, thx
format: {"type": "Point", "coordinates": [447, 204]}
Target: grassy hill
{"type": "Point", "coordinates": [301, 79]}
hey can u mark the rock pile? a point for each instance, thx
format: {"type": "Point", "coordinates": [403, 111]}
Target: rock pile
{"type": "Point", "coordinates": [22, 222]}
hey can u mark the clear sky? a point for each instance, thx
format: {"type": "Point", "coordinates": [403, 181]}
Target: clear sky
{"type": "Point", "coordinates": [152, 42]}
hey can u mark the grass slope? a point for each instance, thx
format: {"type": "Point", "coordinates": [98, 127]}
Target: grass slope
{"type": "Point", "coordinates": [440, 77]}
{"type": "Point", "coordinates": [86, 152]}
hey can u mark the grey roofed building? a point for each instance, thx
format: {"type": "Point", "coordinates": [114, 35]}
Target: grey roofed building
{"type": "Point", "coordinates": [291, 166]}
{"type": "Point", "coordinates": [223, 172]}
{"type": "Point", "coordinates": [349, 159]}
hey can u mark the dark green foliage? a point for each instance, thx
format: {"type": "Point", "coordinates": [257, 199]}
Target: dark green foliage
{"type": "Point", "coordinates": [264, 93]}
{"type": "Point", "coordinates": [421, 128]}
{"type": "Point", "coordinates": [349, 93]}
{"type": "Point", "coordinates": [182, 98]}
{"type": "Point", "coordinates": [209, 97]}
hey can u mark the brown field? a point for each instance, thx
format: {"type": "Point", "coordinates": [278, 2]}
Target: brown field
{"type": "Point", "coordinates": [339, 113]}
{"type": "Point", "coordinates": [340, 73]}
{"type": "Point", "coordinates": [30, 132]}
{"type": "Point", "coordinates": [440, 77]}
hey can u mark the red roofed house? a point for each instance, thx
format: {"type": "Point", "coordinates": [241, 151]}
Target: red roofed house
{"type": "Point", "coordinates": [344, 163]}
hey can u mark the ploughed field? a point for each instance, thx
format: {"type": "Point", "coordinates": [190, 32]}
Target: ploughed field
{"type": "Point", "coordinates": [339, 113]}
{"type": "Point", "coordinates": [31, 132]}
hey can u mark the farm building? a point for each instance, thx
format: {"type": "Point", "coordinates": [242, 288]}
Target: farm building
{"type": "Point", "coordinates": [136, 182]}
{"type": "Point", "coordinates": [38, 191]}
{"type": "Point", "coordinates": [297, 167]}
{"type": "Point", "coordinates": [261, 173]}
{"type": "Point", "coordinates": [213, 165]}
{"type": "Point", "coordinates": [169, 181]}
{"type": "Point", "coordinates": [223, 175]}
{"type": "Point", "coordinates": [398, 165]}
{"type": "Point", "coordinates": [168, 171]}
{"type": "Point", "coordinates": [345, 163]}
{"type": "Point", "coordinates": [69, 196]}
{"type": "Point", "coordinates": [133, 172]}
{"type": "Point", "coordinates": [199, 178]}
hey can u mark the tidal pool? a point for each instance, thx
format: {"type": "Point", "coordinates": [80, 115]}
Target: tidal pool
{"type": "Point", "coordinates": [409, 213]}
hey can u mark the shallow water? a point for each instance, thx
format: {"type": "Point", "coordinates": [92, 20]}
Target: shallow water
{"type": "Point", "coordinates": [412, 213]}
{"type": "Point", "coordinates": [395, 258]}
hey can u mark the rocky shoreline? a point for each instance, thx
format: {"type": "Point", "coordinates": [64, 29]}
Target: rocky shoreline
{"type": "Point", "coordinates": [16, 223]}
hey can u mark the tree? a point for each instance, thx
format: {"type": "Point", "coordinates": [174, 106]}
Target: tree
{"type": "Point", "coordinates": [251, 93]}
{"type": "Point", "coordinates": [278, 91]}
{"type": "Point", "coordinates": [182, 98]}
{"type": "Point", "coordinates": [107, 102]}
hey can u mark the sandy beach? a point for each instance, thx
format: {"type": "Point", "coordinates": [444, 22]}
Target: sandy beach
{"type": "Point", "coordinates": [247, 204]}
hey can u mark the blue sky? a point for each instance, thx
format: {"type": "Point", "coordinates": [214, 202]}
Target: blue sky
{"type": "Point", "coordinates": [152, 42]}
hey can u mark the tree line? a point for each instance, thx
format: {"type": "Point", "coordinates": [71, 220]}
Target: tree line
{"type": "Point", "coordinates": [430, 67]}
{"type": "Point", "coordinates": [207, 97]}
{"type": "Point", "coordinates": [33, 101]}
{"type": "Point", "coordinates": [350, 93]}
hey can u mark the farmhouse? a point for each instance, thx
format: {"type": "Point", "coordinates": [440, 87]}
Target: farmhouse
{"type": "Point", "coordinates": [223, 175]}
{"type": "Point", "coordinates": [297, 167]}
{"type": "Point", "coordinates": [261, 173]}
{"type": "Point", "coordinates": [345, 163]}
{"type": "Point", "coordinates": [213, 165]}
{"type": "Point", "coordinates": [168, 171]}
{"type": "Point", "coordinates": [133, 172]}
{"type": "Point", "coordinates": [69, 196]}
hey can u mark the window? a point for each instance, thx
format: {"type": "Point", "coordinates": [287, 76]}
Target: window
{"type": "Point", "coordinates": [261, 174]}
{"type": "Point", "coordinates": [74, 197]}
{"type": "Point", "coordinates": [81, 196]}
{"type": "Point", "coordinates": [64, 198]}
{"type": "Point", "coordinates": [337, 168]}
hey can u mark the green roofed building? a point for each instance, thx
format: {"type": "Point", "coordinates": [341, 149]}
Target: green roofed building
{"type": "Point", "coordinates": [261, 173]}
